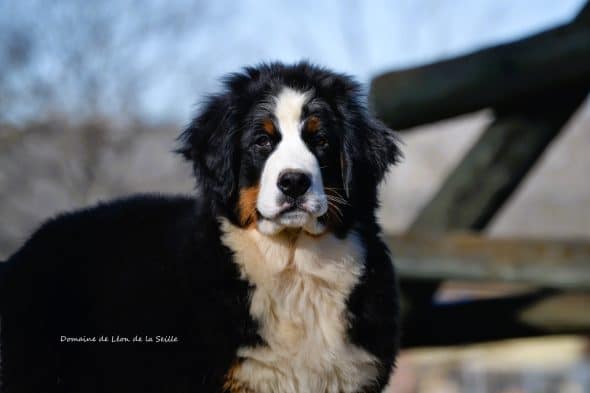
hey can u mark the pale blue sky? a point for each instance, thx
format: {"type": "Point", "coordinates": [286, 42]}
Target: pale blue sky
{"type": "Point", "coordinates": [204, 40]}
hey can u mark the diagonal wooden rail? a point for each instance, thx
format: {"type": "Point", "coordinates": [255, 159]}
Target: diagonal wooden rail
{"type": "Point", "coordinates": [497, 163]}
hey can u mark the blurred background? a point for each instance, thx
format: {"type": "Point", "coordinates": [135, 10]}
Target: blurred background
{"type": "Point", "coordinates": [93, 95]}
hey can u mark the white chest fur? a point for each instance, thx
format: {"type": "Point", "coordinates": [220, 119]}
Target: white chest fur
{"type": "Point", "coordinates": [301, 284]}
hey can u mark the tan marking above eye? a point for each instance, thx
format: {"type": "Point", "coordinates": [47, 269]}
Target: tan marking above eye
{"type": "Point", "coordinates": [268, 126]}
{"type": "Point", "coordinates": [312, 124]}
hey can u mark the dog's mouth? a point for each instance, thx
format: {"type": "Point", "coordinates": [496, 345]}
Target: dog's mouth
{"type": "Point", "coordinates": [293, 215]}
{"type": "Point", "coordinates": [290, 216]}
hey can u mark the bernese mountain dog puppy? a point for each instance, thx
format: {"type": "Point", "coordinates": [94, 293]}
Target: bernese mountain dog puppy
{"type": "Point", "coordinates": [274, 278]}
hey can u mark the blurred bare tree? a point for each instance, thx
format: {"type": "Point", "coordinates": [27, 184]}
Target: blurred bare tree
{"type": "Point", "coordinates": [87, 59]}
{"type": "Point", "coordinates": [71, 128]}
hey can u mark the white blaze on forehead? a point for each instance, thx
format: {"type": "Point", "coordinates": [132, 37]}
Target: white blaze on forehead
{"type": "Point", "coordinates": [290, 154]}
{"type": "Point", "coordinates": [288, 110]}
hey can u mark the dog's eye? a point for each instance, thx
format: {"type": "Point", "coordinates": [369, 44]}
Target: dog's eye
{"type": "Point", "coordinates": [321, 141]}
{"type": "Point", "coordinates": [263, 141]}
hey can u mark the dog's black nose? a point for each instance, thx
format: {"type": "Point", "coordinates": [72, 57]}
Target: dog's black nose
{"type": "Point", "coordinates": [293, 183]}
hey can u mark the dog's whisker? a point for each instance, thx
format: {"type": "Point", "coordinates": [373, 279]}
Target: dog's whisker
{"type": "Point", "coordinates": [337, 200]}
{"type": "Point", "coordinates": [336, 210]}
{"type": "Point", "coordinates": [334, 191]}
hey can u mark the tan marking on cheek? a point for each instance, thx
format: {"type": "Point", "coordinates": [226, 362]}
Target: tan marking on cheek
{"type": "Point", "coordinates": [268, 126]}
{"type": "Point", "coordinates": [313, 124]}
{"type": "Point", "coordinates": [247, 205]}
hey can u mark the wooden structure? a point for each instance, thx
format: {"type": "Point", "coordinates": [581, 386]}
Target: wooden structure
{"type": "Point", "coordinates": [533, 86]}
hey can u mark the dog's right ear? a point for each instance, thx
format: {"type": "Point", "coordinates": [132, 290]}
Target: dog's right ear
{"type": "Point", "coordinates": [209, 142]}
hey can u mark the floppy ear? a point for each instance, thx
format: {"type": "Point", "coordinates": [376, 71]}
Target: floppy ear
{"type": "Point", "coordinates": [209, 142]}
{"type": "Point", "coordinates": [382, 147]}
{"type": "Point", "coordinates": [369, 152]}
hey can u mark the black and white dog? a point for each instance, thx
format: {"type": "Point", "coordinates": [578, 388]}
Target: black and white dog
{"type": "Point", "coordinates": [273, 279]}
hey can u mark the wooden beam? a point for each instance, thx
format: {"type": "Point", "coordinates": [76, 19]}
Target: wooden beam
{"type": "Point", "coordinates": [494, 167]}
{"type": "Point", "coordinates": [561, 313]}
{"type": "Point", "coordinates": [487, 78]}
{"type": "Point", "coordinates": [530, 315]}
{"type": "Point", "coordinates": [542, 263]}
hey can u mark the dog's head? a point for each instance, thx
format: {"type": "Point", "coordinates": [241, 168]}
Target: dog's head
{"type": "Point", "coordinates": [290, 147]}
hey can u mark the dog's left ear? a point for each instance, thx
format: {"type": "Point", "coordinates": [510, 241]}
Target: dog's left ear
{"type": "Point", "coordinates": [368, 152]}
{"type": "Point", "coordinates": [209, 142]}
{"type": "Point", "coordinates": [382, 147]}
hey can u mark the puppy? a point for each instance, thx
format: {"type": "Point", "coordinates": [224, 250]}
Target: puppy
{"type": "Point", "coordinates": [274, 278]}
